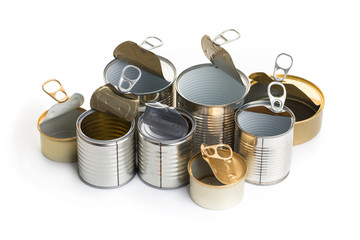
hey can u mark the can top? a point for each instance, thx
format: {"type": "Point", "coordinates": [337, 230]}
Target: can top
{"type": "Point", "coordinates": [226, 168]}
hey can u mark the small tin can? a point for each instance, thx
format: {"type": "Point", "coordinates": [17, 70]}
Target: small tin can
{"type": "Point", "coordinates": [212, 93]}
{"type": "Point", "coordinates": [57, 126]}
{"type": "Point", "coordinates": [163, 158]}
{"type": "Point", "coordinates": [207, 190]}
{"type": "Point", "coordinates": [106, 149]}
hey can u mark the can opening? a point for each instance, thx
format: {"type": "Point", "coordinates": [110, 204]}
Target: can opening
{"type": "Point", "coordinates": [208, 85]}
{"type": "Point", "coordinates": [202, 172]}
{"type": "Point", "coordinates": [60, 127]}
{"type": "Point", "coordinates": [261, 121]}
{"type": "Point", "coordinates": [101, 126]}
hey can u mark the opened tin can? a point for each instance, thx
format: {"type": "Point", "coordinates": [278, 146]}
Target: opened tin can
{"type": "Point", "coordinates": [165, 145]}
{"type": "Point", "coordinates": [218, 182]}
{"type": "Point", "coordinates": [212, 93]}
{"type": "Point", "coordinates": [57, 126]}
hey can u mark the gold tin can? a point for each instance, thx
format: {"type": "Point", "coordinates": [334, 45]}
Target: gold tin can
{"type": "Point", "coordinates": [304, 99]}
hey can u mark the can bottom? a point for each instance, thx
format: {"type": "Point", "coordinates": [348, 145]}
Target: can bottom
{"type": "Point", "coordinates": [162, 188]}
{"type": "Point", "coordinates": [267, 183]}
{"type": "Point", "coordinates": [99, 187]}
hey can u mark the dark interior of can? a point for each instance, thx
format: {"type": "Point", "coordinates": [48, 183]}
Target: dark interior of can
{"type": "Point", "coordinates": [63, 126]}
{"type": "Point", "coordinates": [261, 121]}
{"type": "Point", "coordinates": [101, 126]}
{"type": "Point", "coordinates": [148, 83]}
{"type": "Point", "coordinates": [209, 85]}
{"type": "Point", "coordinates": [202, 172]}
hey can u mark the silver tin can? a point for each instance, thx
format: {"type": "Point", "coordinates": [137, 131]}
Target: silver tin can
{"type": "Point", "coordinates": [154, 89]}
{"type": "Point", "coordinates": [212, 97]}
{"type": "Point", "coordinates": [106, 149]}
{"type": "Point", "coordinates": [163, 164]}
{"type": "Point", "coordinates": [265, 140]}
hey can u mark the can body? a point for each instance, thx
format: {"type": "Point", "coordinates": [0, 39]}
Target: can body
{"type": "Point", "coordinates": [163, 164]}
{"type": "Point", "coordinates": [106, 150]}
{"type": "Point", "coordinates": [58, 136]}
{"type": "Point", "coordinates": [212, 97]}
{"type": "Point", "coordinates": [152, 89]}
{"type": "Point", "coordinates": [268, 157]}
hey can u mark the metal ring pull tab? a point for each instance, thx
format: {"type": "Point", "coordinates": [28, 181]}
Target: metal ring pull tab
{"type": "Point", "coordinates": [212, 152]}
{"type": "Point", "coordinates": [278, 67]}
{"type": "Point", "coordinates": [277, 103]}
{"type": "Point", "coordinates": [151, 43]}
{"type": "Point", "coordinates": [226, 36]}
{"type": "Point", "coordinates": [127, 80]}
{"type": "Point", "coordinates": [54, 94]}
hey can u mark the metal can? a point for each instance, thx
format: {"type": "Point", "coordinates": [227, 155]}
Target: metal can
{"type": "Point", "coordinates": [163, 162]}
{"type": "Point", "coordinates": [106, 150]}
{"type": "Point", "coordinates": [264, 139]}
{"type": "Point", "coordinates": [212, 93]}
{"type": "Point", "coordinates": [207, 190]}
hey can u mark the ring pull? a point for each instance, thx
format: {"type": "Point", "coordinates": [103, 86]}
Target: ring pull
{"type": "Point", "coordinates": [226, 36]}
{"type": "Point", "coordinates": [129, 82]}
{"type": "Point", "coordinates": [284, 69]}
{"type": "Point", "coordinates": [277, 103]}
{"type": "Point", "coordinates": [151, 43]}
{"type": "Point", "coordinates": [212, 152]}
{"type": "Point", "coordinates": [55, 93]}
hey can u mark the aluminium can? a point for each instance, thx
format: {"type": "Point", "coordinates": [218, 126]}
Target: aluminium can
{"type": "Point", "coordinates": [265, 140]}
{"type": "Point", "coordinates": [163, 163]}
{"type": "Point", "coordinates": [153, 89]}
{"type": "Point", "coordinates": [106, 149]}
{"type": "Point", "coordinates": [212, 97]}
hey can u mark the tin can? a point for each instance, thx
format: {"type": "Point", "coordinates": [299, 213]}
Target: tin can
{"type": "Point", "coordinates": [106, 150]}
{"type": "Point", "coordinates": [163, 163]}
{"type": "Point", "coordinates": [304, 98]}
{"type": "Point", "coordinates": [264, 139]}
{"type": "Point", "coordinates": [207, 191]}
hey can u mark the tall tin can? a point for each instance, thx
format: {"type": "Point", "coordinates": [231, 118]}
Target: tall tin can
{"type": "Point", "coordinates": [162, 162]}
{"type": "Point", "coordinates": [106, 150]}
{"type": "Point", "coordinates": [212, 93]}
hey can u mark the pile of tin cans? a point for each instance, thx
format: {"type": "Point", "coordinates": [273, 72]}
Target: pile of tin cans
{"type": "Point", "coordinates": [209, 126]}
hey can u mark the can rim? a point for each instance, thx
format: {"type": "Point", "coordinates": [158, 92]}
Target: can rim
{"type": "Point", "coordinates": [96, 141]}
{"type": "Point", "coordinates": [267, 104]}
{"type": "Point", "coordinates": [197, 155]}
{"type": "Point", "coordinates": [247, 87]}
{"type": "Point", "coordinates": [41, 118]}
{"type": "Point", "coordinates": [162, 59]}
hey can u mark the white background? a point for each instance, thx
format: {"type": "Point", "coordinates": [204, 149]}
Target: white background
{"type": "Point", "coordinates": [73, 41]}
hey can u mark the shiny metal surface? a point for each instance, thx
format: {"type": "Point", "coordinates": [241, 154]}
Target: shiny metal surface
{"type": "Point", "coordinates": [106, 149]}
{"type": "Point", "coordinates": [162, 164]}
{"type": "Point", "coordinates": [212, 97]}
{"type": "Point", "coordinates": [264, 139]}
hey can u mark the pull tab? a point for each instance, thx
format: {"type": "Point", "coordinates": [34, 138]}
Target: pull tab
{"type": "Point", "coordinates": [220, 158]}
{"type": "Point", "coordinates": [151, 43]}
{"type": "Point", "coordinates": [53, 94]}
{"type": "Point", "coordinates": [284, 69]}
{"type": "Point", "coordinates": [130, 81]}
{"type": "Point", "coordinates": [277, 103]}
{"type": "Point", "coordinates": [226, 36]}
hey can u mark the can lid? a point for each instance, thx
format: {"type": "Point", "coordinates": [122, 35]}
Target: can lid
{"type": "Point", "coordinates": [218, 55]}
{"type": "Point", "coordinates": [226, 168]}
{"type": "Point", "coordinates": [163, 122]}
{"type": "Point", "coordinates": [65, 103]}
{"type": "Point", "coordinates": [108, 99]}
{"type": "Point", "coordinates": [132, 53]}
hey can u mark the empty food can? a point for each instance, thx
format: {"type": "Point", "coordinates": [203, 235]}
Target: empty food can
{"type": "Point", "coordinates": [57, 126]}
{"type": "Point", "coordinates": [217, 177]}
{"type": "Point", "coordinates": [264, 136]}
{"type": "Point", "coordinates": [158, 73]}
{"type": "Point", "coordinates": [212, 93]}
{"type": "Point", "coordinates": [165, 145]}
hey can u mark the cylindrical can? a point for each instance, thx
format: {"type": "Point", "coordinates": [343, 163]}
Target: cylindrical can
{"type": "Point", "coordinates": [212, 97]}
{"type": "Point", "coordinates": [106, 149]}
{"type": "Point", "coordinates": [152, 89]}
{"type": "Point", "coordinates": [162, 163]}
{"type": "Point", "coordinates": [58, 136]}
{"type": "Point", "coordinates": [207, 191]}
{"type": "Point", "coordinates": [265, 140]}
